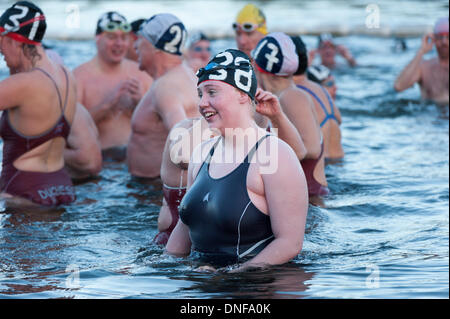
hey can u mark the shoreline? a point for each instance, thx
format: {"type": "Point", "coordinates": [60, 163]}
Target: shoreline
{"type": "Point", "coordinates": [337, 31]}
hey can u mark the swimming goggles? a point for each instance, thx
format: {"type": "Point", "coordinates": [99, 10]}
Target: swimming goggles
{"type": "Point", "coordinates": [247, 26]}
{"type": "Point", "coordinates": [329, 83]}
{"type": "Point", "coordinates": [441, 36]}
{"type": "Point", "coordinates": [201, 49]}
{"type": "Point", "coordinates": [112, 26]}
{"type": "Point", "coordinates": [213, 67]}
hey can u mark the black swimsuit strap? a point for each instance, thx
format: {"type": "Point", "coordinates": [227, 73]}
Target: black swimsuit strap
{"type": "Point", "coordinates": [249, 155]}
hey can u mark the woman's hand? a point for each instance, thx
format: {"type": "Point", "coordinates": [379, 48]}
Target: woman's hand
{"type": "Point", "coordinates": [267, 104]}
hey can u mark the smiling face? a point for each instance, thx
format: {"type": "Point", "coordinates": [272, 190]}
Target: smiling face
{"type": "Point", "coordinates": [113, 46]}
{"type": "Point", "coordinates": [221, 105]}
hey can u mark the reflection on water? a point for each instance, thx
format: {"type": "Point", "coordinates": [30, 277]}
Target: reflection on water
{"type": "Point", "coordinates": [281, 282]}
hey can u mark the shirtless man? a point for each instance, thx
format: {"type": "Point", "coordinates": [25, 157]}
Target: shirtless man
{"type": "Point", "coordinates": [432, 75]}
{"type": "Point", "coordinates": [250, 27]}
{"type": "Point", "coordinates": [328, 50]}
{"type": "Point", "coordinates": [171, 99]}
{"type": "Point", "coordinates": [110, 86]}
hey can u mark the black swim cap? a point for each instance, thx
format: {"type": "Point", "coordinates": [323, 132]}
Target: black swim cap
{"type": "Point", "coordinates": [23, 22]}
{"type": "Point", "coordinates": [136, 25]}
{"type": "Point", "coordinates": [318, 73]}
{"type": "Point", "coordinates": [302, 53]}
{"type": "Point", "coordinates": [232, 67]}
{"type": "Point", "coordinates": [112, 21]}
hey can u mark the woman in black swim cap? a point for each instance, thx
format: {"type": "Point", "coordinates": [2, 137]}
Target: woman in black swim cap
{"type": "Point", "coordinates": [251, 209]}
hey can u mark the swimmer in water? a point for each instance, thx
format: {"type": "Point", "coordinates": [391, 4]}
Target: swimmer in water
{"type": "Point", "coordinates": [38, 100]}
{"type": "Point", "coordinates": [328, 115]}
{"type": "Point", "coordinates": [198, 51]}
{"type": "Point", "coordinates": [182, 140]}
{"type": "Point", "coordinates": [250, 27]}
{"type": "Point", "coordinates": [188, 134]}
{"type": "Point", "coordinates": [110, 86]}
{"type": "Point", "coordinates": [320, 74]}
{"type": "Point", "coordinates": [276, 62]}
{"type": "Point", "coordinates": [82, 156]}
{"type": "Point", "coordinates": [432, 75]}
{"type": "Point", "coordinates": [171, 99]}
{"type": "Point", "coordinates": [236, 211]}
{"type": "Point", "coordinates": [328, 50]}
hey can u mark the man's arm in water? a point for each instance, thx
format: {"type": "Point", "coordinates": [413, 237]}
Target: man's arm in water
{"type": "Point", "coordinates": [412, 73]}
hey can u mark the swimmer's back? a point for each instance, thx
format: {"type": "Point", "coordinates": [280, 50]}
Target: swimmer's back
{"type": "Point", "coordinates": [174, 88]}
{"type": "Point", "coordinates": [330, 118]}
{"type": "Point", "coordinates": [40, 111]}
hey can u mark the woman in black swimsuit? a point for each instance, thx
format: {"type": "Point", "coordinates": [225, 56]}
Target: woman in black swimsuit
{"type": "Point", "coordinates": [251, 209]}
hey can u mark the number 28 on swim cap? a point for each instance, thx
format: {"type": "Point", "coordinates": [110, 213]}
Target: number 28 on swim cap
{"type": "Point", "coordinates": [23, 22]}
{"type": "Point", "coordinates": [232, 67]}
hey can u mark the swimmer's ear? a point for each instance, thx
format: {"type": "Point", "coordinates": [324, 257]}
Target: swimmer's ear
{"type": "Point", "coordinates": [243, 98]}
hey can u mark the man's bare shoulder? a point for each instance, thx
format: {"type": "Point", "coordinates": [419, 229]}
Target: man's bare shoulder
{"type": "Point", "coordinates": [429, 63]}
{"type": "Point", "coordinates": [85, 69]}
{"type": "Point", "coordinates": [132, 69]}
{"type": "Point", "coordinates": [181, 75]}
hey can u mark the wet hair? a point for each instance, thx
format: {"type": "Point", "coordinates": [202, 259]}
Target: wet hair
{"type": "Point", "coordinates": [31, 52]}
{"type": "Point", "coordinates": [302, 53]}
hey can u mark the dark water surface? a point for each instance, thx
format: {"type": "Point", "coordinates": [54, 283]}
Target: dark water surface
{"type": "Point", "coordinates": [384, 233]}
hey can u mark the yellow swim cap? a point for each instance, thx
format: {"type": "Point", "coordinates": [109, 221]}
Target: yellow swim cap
{"type": "Point", "coordinates": [252, 14]}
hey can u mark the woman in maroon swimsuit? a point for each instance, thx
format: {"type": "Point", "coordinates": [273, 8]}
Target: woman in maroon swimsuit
{"type": "Point", "coordinates": [38, 102]}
